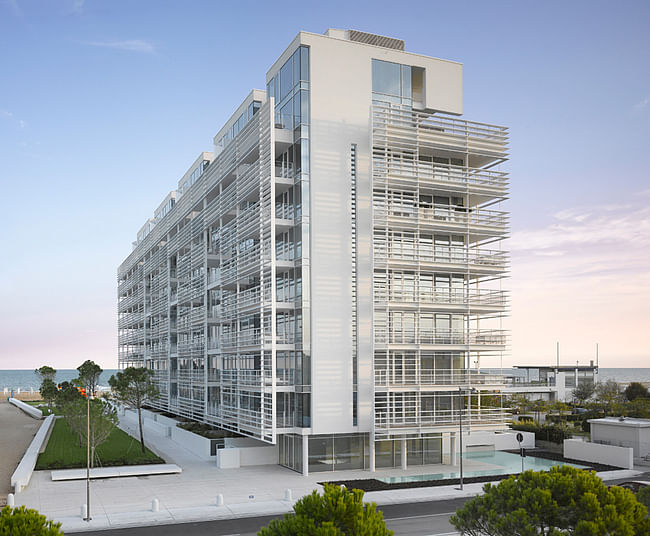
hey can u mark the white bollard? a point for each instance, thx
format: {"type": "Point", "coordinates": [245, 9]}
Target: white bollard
{"type": "Point", "coordinates": [155, 505]}
{"type": "Point", "coordinates": [10, 500]}
{"type": "Point", "coordinates": [84, 511]}
{"type": "Point", "coordinates": [220, 500]}
{"type": "Point", "coordinates": [287, 495]}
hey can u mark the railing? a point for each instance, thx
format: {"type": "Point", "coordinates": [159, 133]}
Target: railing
{"type": "Point", "coordinates": [398, 122]}
{"type": "Point", "coordinates": [385, 376]}
{"type": "Point", "coordinates": [288, 211]}
{"type": "Point", "coordinates": [495, 298]}
{"type": "Point", "coordinates": [514, 382]}
{"type": "Point", "coordinates": [441, 254]}
{"type": "Point", "coordinates": [438, 173]}
{"type": "Point", "coordinates": [443, 336]}
{"type": "Point", "coordinates": [457, 216]}
{"type": "Point", "coordinates": [285, 172]}
{"type": "Point", "coordinates": [484, 416]}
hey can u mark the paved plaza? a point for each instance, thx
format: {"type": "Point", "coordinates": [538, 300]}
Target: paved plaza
{"type": "Point", "coordinates": [16, 432]}
{"type": "Point", "coordinates": [192, 494]}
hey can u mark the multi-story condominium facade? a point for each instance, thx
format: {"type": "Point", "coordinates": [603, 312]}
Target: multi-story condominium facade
{"type": "Point", "coordinates": [328, 279]}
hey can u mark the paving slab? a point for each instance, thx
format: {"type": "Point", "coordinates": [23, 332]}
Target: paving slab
{"type": "Point", "coordinates": [116, 472]}
{"type": "Point", "coordinates": [191, 495]}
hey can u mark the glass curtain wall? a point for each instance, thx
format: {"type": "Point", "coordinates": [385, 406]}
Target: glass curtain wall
{"type": "Point", "coordinates": [290, 89]}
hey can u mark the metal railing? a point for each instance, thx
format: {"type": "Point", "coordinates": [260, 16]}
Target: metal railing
{"type": "Point", "coordinates": [443, 336]}
{"type": "Point", "coordinates": [386, 376]}
{"type": "Point", "coordinates": [385, 419]}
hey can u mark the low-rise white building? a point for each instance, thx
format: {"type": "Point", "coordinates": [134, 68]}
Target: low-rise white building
{"type": "Point", "coordinates": [622, 432]}
{"type": "Point", "coordinates": [551, 383]}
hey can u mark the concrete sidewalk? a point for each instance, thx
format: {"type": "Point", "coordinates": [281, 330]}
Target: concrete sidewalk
{"type": "Point", "coordinates": [192, 494]}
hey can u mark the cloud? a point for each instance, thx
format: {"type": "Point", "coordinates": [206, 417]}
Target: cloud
{"type": "Point", "coordinates": [6, 113]}
{"type": "Point", "coordinates": [582, 278]}
{"type": "Point", "coordinates": [642, 105]}
{"type": "Point", "coordinates": [605, 228]}
{"type": "Point", "coordinates": [131, 45]}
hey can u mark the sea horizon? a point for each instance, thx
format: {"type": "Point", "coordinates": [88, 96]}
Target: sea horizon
{"type": "Point", "coordinates": [26, 379]}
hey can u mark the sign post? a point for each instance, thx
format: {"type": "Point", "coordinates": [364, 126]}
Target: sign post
{"type": "Point", "coordinates": [522, 450]}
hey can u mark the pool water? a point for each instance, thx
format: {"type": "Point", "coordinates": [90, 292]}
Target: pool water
{"type": "Point", "coordinates": [478, 464]}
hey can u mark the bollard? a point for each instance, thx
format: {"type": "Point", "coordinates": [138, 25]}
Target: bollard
{"type": "Point", "coordinates": [287, 495]}
{"type": "Point", "coordinates": [155, 505]}
{"type": "Point", "coordinates": [84, 511]}
{"type": "Point", "coordinates": [10, 500]}
{"type": "Point", "coordinates": [220, 500]}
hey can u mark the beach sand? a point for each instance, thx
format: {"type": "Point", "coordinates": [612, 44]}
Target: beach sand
{"type": "Point", "coordinates": [17, 430]}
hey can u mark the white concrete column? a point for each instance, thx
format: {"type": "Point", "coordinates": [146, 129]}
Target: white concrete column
{"type": "Point", "coordinates": [305, 455]}
{"type": "Point", "coordinates": [371, 458]}
{"type": "Point", "coordinates": [452, 448]}
{"type": "Point", "coordinates": [403, 454]}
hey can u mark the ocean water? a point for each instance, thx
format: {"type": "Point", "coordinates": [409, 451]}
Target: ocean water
{"type": "Point", "coordinates": [27, 379]}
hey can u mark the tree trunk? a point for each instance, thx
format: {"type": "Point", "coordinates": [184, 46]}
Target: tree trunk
{"type": "Point", "coordinates": [141, 434]}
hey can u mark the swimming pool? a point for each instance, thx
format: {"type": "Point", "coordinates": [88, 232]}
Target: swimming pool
{"type": "Point", "coordinates": [485, 463]}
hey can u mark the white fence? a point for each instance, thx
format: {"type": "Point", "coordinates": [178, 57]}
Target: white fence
{"type": "Point", "coordinates": [575, 449]}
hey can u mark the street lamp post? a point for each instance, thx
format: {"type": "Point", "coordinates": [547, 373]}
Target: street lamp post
{"type": "Point", "coordinates": [88, 518]}
{"type": "Point", "coordinates": [461, 391]}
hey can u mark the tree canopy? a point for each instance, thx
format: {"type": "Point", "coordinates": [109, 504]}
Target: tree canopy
{"type": "Point", "coordinates": [48, 391]}
{"type": "Point", "coordinates": [103, 420]}
{"type": "Point", "coordinates": [565, 500]}
{"type": "Point", "coordinates": [134, 387]}
{"type": "Point", "coordinates": [584, 391]}
{"type": "Point", "coordinates": [636, 390]}
{"type": "Point", "coordinates": [338, 511]}
{"type": "Point", "coordinates": [46, 373]}
{"type": "Point", "coordinates": [89, 373]}
{"type": "Point", "coordinates": [23, 521]}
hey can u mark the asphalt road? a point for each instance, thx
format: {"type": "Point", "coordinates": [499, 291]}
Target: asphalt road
{"type": "Point", "coordinates": [413, 519]}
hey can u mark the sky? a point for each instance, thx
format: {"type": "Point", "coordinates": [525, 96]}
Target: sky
{"type": "Point", "coordinates": [105, 104]}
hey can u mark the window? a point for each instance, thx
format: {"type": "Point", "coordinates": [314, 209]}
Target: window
{"type": "Point", "coordinates": [392, 82]}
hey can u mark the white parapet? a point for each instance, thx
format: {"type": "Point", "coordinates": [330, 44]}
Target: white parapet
{"type": "Point", "coordinates": [575, 449]}
{"type": "Point", "coordinates": [30, 410]}
{"type": "Point", "coordinates": [23, 473]}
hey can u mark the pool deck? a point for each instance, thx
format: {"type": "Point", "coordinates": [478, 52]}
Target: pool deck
{"type": "Point", "coordinates": [192, 495]}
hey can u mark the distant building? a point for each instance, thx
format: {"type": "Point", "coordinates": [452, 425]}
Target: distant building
{"type": "Point", "coordinates": [550, 383]}
{"type": "Point", "coordinates": [325, 278]}
{"type": "Point", "coordinates": [622, 432]}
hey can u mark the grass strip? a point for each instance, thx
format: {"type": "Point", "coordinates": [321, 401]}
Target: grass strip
{"type": "Point", "coordinates": [64, 451]}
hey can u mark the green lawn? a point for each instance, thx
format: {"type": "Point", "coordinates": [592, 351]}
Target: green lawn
{"type": "Point", "coordinates": [63, 450]}
{"type": "Point", "coordinates": [44, 409]}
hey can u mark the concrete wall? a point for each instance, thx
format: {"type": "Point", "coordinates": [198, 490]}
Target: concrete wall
{"type": "Point", "coordinates": [593, 452]}
{"type": "Point", "coordinates": [622, 436]}
{"type": "Point", "coordinates": [195, 443]}
{"type": "Point", "coordinates": [23, 473]}
{"type": "Point", "coordinates": [228, 459]}
{"type": "Point", "coordinates": [30, 410]}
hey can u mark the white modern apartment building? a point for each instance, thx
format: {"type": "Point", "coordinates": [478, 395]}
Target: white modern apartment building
{"type": "Point", "coordinates": [328, 279]}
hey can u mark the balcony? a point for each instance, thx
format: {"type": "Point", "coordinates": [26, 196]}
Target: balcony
{"type": "Point", "coordinates": [476, 417]}
{"type": "Point", "coordinates": [403, 128]}
{"type": "Point", "coordinates": [387, 377]}
{"type": "Point", "coordinates": [478, 337]}
{"type": "Point", "coordinates": [479, 259]}
{"type": "Point", "coordinates": [441, 217]}
{"type": "Point", "coordinates": [454, 298]}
